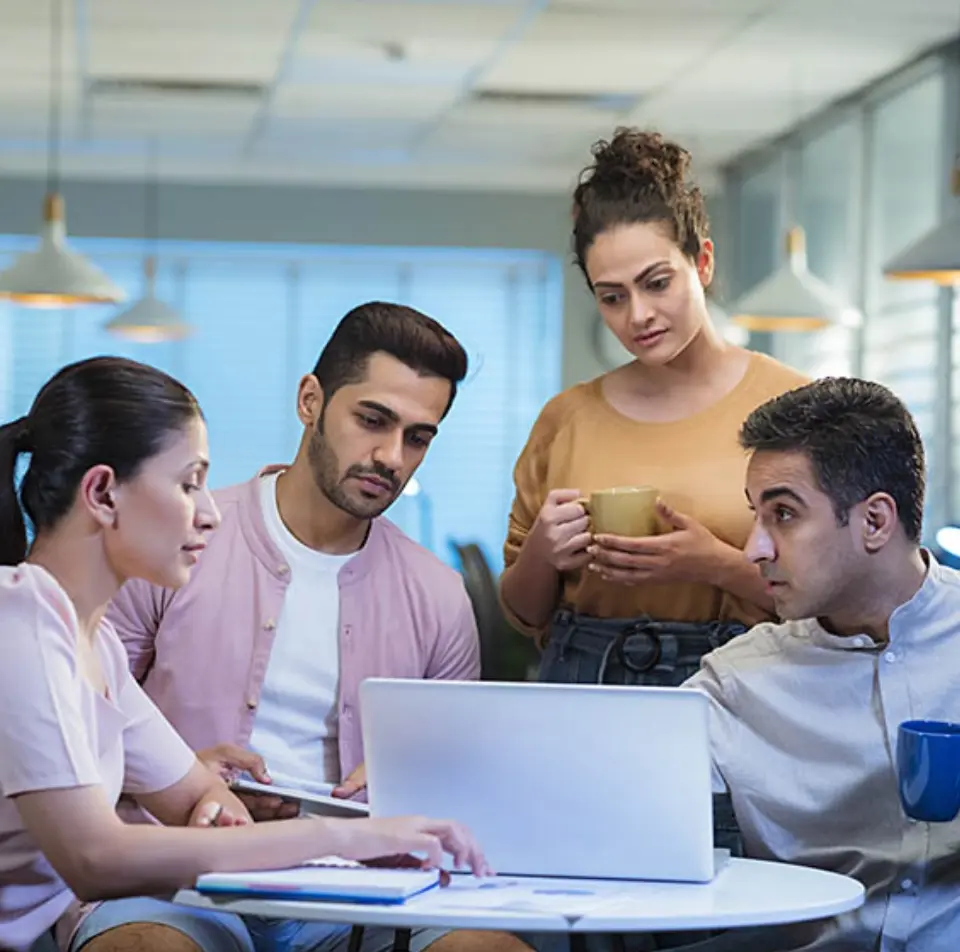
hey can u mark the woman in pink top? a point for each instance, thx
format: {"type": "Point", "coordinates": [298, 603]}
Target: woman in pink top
{"type": "Point", "coordinates": [116, 489]}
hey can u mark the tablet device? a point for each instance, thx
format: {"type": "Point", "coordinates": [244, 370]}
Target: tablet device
{"type": "Point", "coordinates": [310, 801]}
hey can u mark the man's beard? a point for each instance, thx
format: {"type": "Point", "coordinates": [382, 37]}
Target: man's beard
{"type": "Point", "coordinates": [326, 474]}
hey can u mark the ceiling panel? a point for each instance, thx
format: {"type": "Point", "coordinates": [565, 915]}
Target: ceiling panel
{"type": "Point", "coordinates": [871, 13]}
{"type": "Point", "coordinates": [476, 93]}
{"type": "Point", "coordinates": [662, 26]}
{"type": "Point", "coordinates": [560, 135]}
{"type": "Point", "coordinates": [657, 8]}
{"type": "Point", "coordinates": [323, 135]}
{"type": "Point", "coordinates": [354, 62]}
{"type": "Point", "coordinates": [369, 102]}
{"type": "Point", "coordinates": [619, 53]}
{"type": "Point", "coordinates": [169, 54]}
{"type": "Point", "coordinates": [210, 17]}
{"type": "Point", "coordinates": [412, 20]}
{"type": "Point", "coordinates": [168, 117]}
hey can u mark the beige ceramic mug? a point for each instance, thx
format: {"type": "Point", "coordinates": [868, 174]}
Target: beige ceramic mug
{"type": "Point", "coordinates": [623, 511]}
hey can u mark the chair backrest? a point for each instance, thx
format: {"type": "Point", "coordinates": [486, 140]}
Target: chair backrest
{"type": "Point", "coordinates": [497, 661]}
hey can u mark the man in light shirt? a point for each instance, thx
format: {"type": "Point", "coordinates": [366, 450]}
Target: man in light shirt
{"type": "Point", "coordinates": [304, 591]}
{"type": "Point", "coordinates": [804, 714]}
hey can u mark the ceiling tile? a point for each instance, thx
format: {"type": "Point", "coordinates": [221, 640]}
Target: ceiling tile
{"type": "Point", "coordinates": [369, 102]}
{"type": "Point", "coordinates": [239, 40]}
{"type": "Point", "coordinates": [627, 50]}
{"type": "Point", "coordinates": [677, 9]}
{"type": "Point", "coordinates": [377, 21]}
{"type": "Point", "coordinates": [359, 63]}
{"type": "Point", "coordinates": [147, 116]}
{"type": "Point", "coordinates": [210, 17]}
{"type": "Point", "coordinates": [557, 134]}
{"type": "Point", "coordinates": [381, 85]}
{"type": "Point", "coordinates": [169, 54]}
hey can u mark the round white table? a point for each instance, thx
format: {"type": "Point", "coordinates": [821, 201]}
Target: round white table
{"type": "Point", "coordinates": [744, 893]}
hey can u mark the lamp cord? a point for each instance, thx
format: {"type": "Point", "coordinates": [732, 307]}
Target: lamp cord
{"type": "Point", "coordinates": [56, 82]}
{"type": "Point", "coordinates": [152, 200]}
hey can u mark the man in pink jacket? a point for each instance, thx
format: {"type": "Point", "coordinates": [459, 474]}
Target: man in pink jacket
{"type": "Point", "coordinates": [302, 593]}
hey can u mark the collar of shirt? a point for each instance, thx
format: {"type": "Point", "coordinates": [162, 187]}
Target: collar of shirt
{"type": "Point", "coordinates": [908, 623]}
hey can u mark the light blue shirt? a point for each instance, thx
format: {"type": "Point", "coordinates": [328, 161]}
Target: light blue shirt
{"type": "Point", "coordinates": [804, 734]}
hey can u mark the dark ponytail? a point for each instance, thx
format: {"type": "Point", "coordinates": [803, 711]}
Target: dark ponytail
{"type": "Point", "coordinates": [102, 411]}
{"type": "Point", "coordinates": [14, 440]}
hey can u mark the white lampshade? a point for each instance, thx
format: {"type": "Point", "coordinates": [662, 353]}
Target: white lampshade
{"type": "Point", "coordinates": [934, 257]}
{"type": "Point", "coordinates": [54, 275]}
{"type": "Point", "coordinates": [793, 299]}
{"type": "Point", "coordinates": [149, 320]}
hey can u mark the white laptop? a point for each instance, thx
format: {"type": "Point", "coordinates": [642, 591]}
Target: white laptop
{"type": "Point", "coordinates": [553, 779]}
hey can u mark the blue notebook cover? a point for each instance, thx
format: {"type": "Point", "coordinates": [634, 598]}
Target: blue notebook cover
{"type": "Point", "coordinates": [320, 883]}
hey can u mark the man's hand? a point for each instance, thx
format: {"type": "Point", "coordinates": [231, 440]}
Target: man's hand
{"type": "Point", "coordinates": [227, 760]}
{"type": "Point", "coordinates": [354, 784]}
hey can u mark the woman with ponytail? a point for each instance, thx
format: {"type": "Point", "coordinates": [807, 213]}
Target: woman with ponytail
{"type": "Point", "coordinates": [115, 488]}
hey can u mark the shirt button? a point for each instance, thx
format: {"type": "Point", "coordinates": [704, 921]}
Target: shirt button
{"type": "Point", "coordinates": [252, 703]}
{"type": "Point", "coordinates": [283, 569]}
{"type": "Point", "coordinates": [891, 657]}
{"type": "Point", "coordinates": [269, 625]}
{"type": "Point", "coordinates": [906, 884]}
{"type": "Point", "coordinates": [860, 642]}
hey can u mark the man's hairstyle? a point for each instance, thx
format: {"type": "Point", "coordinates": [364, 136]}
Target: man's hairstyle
{"type": "Point", "coordinates": [416, 340]}
{"type": "Point", "coordinates": [860, 440]}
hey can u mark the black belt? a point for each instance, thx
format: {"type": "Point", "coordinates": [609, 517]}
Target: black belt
{"type": "Point", "coordinates": [640, 644]}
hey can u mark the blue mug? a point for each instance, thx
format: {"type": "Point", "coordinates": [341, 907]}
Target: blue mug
{"type": "Point", "coordinates": [928, 767]}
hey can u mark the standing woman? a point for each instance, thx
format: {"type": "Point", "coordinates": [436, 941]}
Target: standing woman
{"type": "Point", "coordinates": [116, 489]}
{"type": "Point", "coordinates": [620, 610]}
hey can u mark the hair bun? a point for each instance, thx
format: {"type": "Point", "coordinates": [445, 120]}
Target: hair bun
{"type": "Point", "coordinates": [644, 160]}
{"type": "Point", "coordinates": [638, 177]}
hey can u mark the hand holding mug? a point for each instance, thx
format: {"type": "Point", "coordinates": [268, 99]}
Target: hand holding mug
{"type": "Point", "coordinates": [564, 530]}
{"type": "Point", "coordinates": [685, 552]}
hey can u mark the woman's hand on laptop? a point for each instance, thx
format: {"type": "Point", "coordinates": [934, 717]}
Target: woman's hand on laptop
{"type": "Point", "coordinates": [227, 760]}
{"type": "Point", "coordinates": [425, 839]}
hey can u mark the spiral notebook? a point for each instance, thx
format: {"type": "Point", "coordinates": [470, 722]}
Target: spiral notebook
{"type": "Point", "coordinates": [328, 879]}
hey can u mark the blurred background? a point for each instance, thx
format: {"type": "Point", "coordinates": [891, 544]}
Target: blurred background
{"type": "Point", "coordinates": [258, 167]}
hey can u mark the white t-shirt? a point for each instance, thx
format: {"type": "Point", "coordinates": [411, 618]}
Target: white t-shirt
{"type": "Point", "coordinates": [295, 729]}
